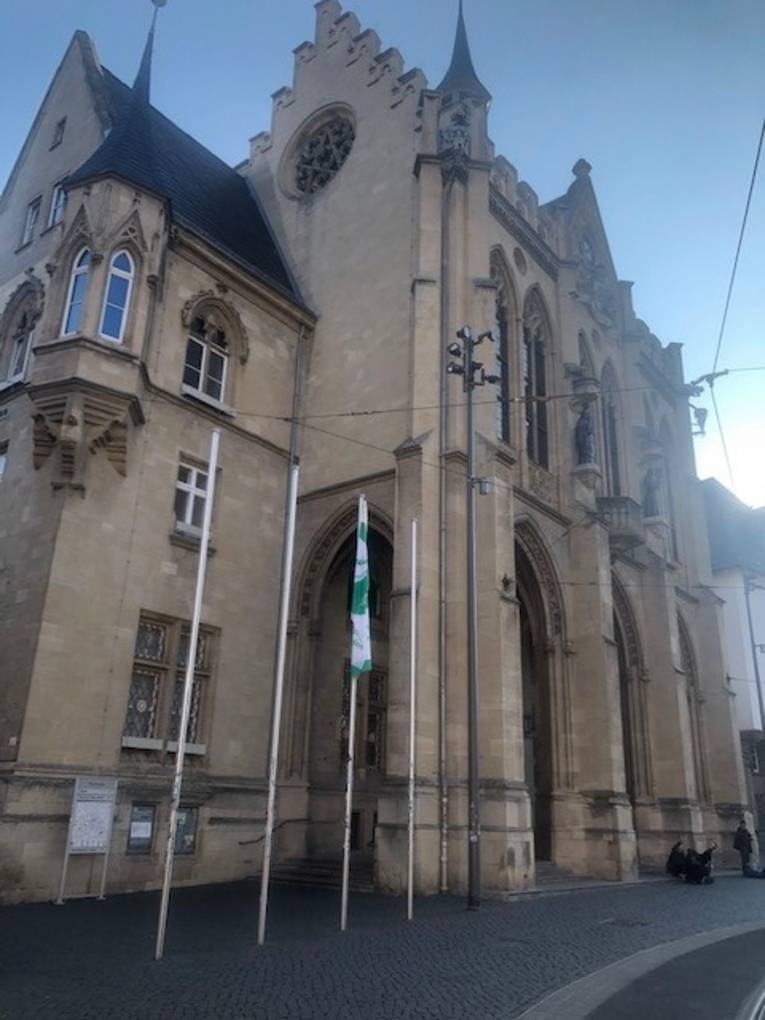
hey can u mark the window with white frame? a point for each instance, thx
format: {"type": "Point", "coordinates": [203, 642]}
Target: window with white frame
{"type": "Point", "coordinates": [57, 205]}
{"type": "Point", "coordinates": [30, 220]}
{"type": "Point", "coordinates": [117, 297]}
{"type": "Point", "coordinates": [156, 687]}
{"type": "Point", "coordinates": [75, 298]}
{"type": "Point", "coordinates": [190, 497]}
{"type": "Point", "coordinates": [204, 371]}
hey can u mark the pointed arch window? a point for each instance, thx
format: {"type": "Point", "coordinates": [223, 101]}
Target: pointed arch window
{"type": "Point", "coordinates": [75, 298]}
{"type": "Point", "coordinates": [694, 699]}
{"type": "Point", "coordinates": [119, 286]}
{"type": "Point", "coordinates": [610, 430]}
{"type": "Point", "coordinates": [535, 382]}
{"type": "Point", "coordinates": [665, 437]}
{"type": "Point", "coordinates": [502, 315]}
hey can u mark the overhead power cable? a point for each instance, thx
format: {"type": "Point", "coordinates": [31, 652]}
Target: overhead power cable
{"type": "Point", "coordinates": [738, 247]}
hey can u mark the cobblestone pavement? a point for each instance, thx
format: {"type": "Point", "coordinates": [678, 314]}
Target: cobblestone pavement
{"type": "Point", "coordinates": [90, 960]}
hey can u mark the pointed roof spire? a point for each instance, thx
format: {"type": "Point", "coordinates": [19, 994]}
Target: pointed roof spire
{"type": "Point", "coordinates": [142, 83]}
{"type": "Point", "coordinates": [461, 76]}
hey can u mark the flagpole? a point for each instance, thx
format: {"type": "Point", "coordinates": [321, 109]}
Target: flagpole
{"type": "Point", "coordinates": [412, 704]}
{"type": "Point", "coordinates": [188, 681]}
{"type": "Point", "coordinates": [278, 698]}
{"type": "Point", "coordinates": [361, 662]}
{"type": "Point", "coordinates": [348, 806]}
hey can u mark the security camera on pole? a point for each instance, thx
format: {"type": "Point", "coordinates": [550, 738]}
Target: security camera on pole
{"type": "Point", "coordinates": [473, 375]}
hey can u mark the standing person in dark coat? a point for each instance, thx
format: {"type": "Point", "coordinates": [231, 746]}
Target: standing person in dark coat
{"type": "Point", "coordinates": [742, 841]}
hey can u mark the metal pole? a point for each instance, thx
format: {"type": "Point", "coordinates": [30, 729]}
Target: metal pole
{"type": "Point", "coordinates": [748, 587]}
{"type": "Point", "coordinates": [180, 752]}
{"type": "Point", "coordinates": [348, 804]}
{"type": "Point", "coordinates": [276, 720]}
{"type": "Point", "coordinates": [412, 705]}
{"type": "Point", "coordinates": [474, 819]}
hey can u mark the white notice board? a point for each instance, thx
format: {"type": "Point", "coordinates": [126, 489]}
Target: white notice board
{"type": "Point", "coordinates": [90, 823]}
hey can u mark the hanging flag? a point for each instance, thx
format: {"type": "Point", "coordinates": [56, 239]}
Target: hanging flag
{"type": "Point", "coordinates": [361, 644]}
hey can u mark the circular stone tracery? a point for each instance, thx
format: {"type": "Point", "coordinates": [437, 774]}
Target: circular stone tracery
{"type": "Point", "coordinates": [322, 154]}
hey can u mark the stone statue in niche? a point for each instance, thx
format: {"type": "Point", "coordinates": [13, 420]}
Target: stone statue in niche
{"type": "Point", "coordinates": [584, 437]}
{"type": "Point", "coordinates": [651, 488]}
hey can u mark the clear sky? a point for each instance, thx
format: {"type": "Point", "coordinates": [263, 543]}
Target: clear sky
{"type": "Point", "coordinates": [664, 98]}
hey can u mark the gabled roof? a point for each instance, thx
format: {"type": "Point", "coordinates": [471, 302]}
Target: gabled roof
{"type": "Point", "coordinates": [205, 195]}
{"type": "Point", "coordinates": [736, 531]}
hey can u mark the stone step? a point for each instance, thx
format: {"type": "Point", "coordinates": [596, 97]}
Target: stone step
{"type": "Point", "coordinates": [324, 873]}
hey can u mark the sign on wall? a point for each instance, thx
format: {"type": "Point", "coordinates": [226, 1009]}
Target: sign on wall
{"type": "Point", "coordinates": [90, 824]}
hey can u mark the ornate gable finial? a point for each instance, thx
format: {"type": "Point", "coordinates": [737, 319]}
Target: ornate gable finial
{"type": "Point", "coordinates": [581, 168]}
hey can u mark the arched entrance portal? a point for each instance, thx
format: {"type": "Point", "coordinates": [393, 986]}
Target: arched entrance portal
{"type": "Point", "coordinates": [537, 736]}
{"type": "Point", "coordinates": [330, 704]}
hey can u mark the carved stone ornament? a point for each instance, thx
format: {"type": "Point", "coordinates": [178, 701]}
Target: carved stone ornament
{"type": "Point", "coordinates": [31, 295]}
{"type": "Point", "coordinates": [542, 484]}
{"type": "Point", "coordinates": [454, 146]}
{"type": "Point", "coordinates": [322, 153]}
{"type": "Point", "coordinates": [594, 287]}
{"type": "Point", "coordinates": [204, 304]}
{"type": "Point", "coordinates": [73, 424]}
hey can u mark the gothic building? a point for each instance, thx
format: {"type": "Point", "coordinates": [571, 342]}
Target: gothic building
{"type": "Point", "coordinates": [148, 293]}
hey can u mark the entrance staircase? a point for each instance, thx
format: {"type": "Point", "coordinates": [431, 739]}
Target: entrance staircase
{"type": "Point", "coordinates": [552, 876]}
{"type": "Point", "coordinates": [325, 873]}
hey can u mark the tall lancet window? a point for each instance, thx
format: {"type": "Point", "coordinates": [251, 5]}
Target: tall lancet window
{"type": "Point", "coordinates": [610, 428]}
{"type": "Point", "coordinates": [78, 284]}
{"type": "Point", "coordinates": [535, 334]}
{"type": "Point", "coordinates": [117, 297]}
{"type": "Point", "coordinates": [502, 319]}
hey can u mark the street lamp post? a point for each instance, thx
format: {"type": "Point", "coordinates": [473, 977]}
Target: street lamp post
{"type": "Point", "coordinates": [469, 369]}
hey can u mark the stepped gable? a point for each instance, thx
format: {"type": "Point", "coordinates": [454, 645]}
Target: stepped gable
{"type": "Point", "coordinates": [205, 195]}
{"type": "Point", "coordinates": [340, 38]}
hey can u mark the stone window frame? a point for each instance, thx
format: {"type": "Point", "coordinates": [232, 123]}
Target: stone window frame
{"type": "Point", "coordinates": [31, 219]}
{"type": "Point", "coordinates": [168, 670]}
{"type": "Point", "coordinates": [24, 305]}
{"type": "Point", "coordinates": [506, 312]}
{"type": "Point", "coordinates": [57, 204]}
{"type": "Point", "coordinates": [121, 274]}
{"type": "Point", "coordinates": [309, 128]}
{"type": "Point", "coordinates": [77, 270]}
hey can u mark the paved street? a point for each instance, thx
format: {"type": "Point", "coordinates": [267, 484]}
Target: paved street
{"type": "Point", "coordinates": [91, 960]}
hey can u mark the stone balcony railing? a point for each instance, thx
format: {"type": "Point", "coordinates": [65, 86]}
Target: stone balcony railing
{"type": "Point", "coordinates": [624, 518]}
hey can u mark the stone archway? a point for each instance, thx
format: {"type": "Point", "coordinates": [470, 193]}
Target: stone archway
{"type": "Point", "coordinates": [318, 705]}
{"type": "Point", "coordinates": [537, 710]}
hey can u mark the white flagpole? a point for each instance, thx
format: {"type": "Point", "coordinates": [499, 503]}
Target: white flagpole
{"type": "Point", "coordinates": [360, 662]}
{"type": "Point", "coordinates": [412, 703]}
{"type": "Point", "coordinates": [276, 720]}
{"type": "Point", "coordinates": [188, 682]}
{"type": "Point", "coordinates": [348, 805]}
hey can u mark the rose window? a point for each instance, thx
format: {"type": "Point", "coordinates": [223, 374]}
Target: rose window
{"type": "Point", "coordinates": [322, 154]}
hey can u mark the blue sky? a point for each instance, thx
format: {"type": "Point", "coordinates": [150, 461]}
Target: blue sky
{"type": "Point", "coordinates": [664, 98]}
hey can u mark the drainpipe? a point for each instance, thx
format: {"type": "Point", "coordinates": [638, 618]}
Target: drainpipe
{"type": "Point", "coordinates": [442, 650]}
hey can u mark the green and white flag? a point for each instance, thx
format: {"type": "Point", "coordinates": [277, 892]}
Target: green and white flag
{"type": "Point", "coordinates": [361, 645]}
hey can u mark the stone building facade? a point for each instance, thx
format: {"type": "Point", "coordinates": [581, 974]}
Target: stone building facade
{"type": "Point", "coordinates": [160, 294]}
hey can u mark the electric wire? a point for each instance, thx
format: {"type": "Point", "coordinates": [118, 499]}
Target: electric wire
{"type": "Point", "coordinates": [738, 248]}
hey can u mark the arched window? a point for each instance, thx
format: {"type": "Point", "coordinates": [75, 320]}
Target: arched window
{"type": "Point", "coordinates": [75, 298]}
{"type": "Point", "coordinates": [693, 695]}
{"type": "Point", "coordinates": [534, 379]}
{"type": "Point", "coordinates": [207, 349]}
{"type": "Point", "coordinates": [117, 297]}
{"type": "Point", "coordinates": [502, 319]}
{"type": "Point", "coordinates": [610, 429]}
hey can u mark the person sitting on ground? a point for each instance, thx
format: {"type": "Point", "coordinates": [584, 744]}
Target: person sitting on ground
{"type": "Point", "coordinates": [742, 841]}
{"type": "Point", "coordinates": [698, 866]}
{"type": "Point", "coordinates": [676, 860]}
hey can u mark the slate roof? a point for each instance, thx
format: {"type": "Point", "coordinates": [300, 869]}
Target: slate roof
{"type": "Point", "coordinates": [736, 531]}
{"type": "Point", "coordinates": [205, 195]}
{"type": "Point", "coordinates": [461, 76]}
